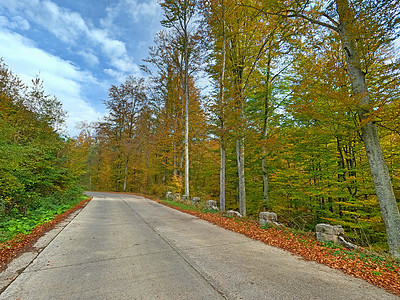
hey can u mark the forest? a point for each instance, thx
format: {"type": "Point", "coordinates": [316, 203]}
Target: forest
{"type": "Point", "coordinates": [40, 169]}
{"type": "Point", "coordinates": [284, 106]}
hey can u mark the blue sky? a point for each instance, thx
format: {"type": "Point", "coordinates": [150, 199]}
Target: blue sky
{"type": "Point", "coordinates": [78, 47]}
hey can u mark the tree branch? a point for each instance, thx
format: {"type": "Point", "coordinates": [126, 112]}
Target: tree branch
{"type": "Point", "coordinates": [294, 15]}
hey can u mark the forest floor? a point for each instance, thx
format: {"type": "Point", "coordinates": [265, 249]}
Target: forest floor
{"type": "Point", "coordinates": [381, 271]}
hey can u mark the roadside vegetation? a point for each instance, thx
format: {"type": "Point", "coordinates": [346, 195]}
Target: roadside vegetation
{"type": "Point", "coordinates": [13, 247]}
{"type": "Point", "coordinates": [16, 223]}
{"type": "Point", "coordinates": [40, 168]}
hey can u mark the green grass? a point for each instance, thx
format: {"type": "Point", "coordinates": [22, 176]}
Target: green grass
{"type": "Point", "coordinates": [208, 210]}
{"type": "Point", "coordinates": [369, 258]}
{"type": "Point", "coordinates": [179, 204]}
{"type": "Point", "coordinates": [188, 207]}
{"type": "Point", "coordinates": [11, 226]}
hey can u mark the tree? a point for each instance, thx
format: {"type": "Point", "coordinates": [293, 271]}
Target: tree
{"type": "Point", "coordinates": [360, 34]}
{"type": "Point", "coordinates": [215, 17]}
{"type": "Point", "coordinates": [178, 15]}
{"type": "Point", "coordinates": [124, 103]}
{"type": "Point", "coordinates": [35, 169]}
{"type": "Point", "coordinates": [47, 107]}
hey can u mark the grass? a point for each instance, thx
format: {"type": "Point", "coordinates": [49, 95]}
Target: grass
{"type": "Point", "coordinates": [180, 205]}
{"type": "Point", "coordinates": [370, 259]}
{"type": "Point", "coordinates": [11, 226]}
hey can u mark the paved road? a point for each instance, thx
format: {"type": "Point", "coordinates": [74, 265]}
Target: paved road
{"type": "Point", "coordinates": [128, 247]}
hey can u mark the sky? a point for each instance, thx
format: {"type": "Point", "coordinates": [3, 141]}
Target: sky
{"type": "Point", "coordinates": [79, 48]}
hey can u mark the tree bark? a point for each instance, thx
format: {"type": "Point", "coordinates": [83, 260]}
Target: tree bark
{"type": "Point", "coordinates": [222, 179]}
{"type": "Point", "coordinates": [265, 130]}
{"type": "Point", "coordinates": [265, 181]}
{"type": "Point", "coordinates": [377, 164]}
{"type": "Point", "coordinates": [242, 181]}
{"type": "Point", "coordinates": [186, 91]}
{"type": "Point", "coordinates": [126, 172]}
{"type": "Point", "coordinates": [222, 117]}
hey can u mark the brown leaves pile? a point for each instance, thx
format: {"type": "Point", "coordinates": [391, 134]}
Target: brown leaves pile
{"type": "Point", "coordinates": [306, 246]}
{"type": "Point", "coordinates": [21, 243]}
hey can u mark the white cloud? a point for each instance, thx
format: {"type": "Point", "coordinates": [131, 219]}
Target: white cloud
{"type": "Point", "coordinates": [3, 21]}
{"type": "Point", "coordinates": [16, 22]}
{"type": "Point", "coordinates": [119, 76]}
{"type": "Point", "coordinates": [71, 28]}
{"type": "Point", "coordinates": [61, 78]}
{"type": "Point", "coordinates": [136, 10]}
{"type": "Point", "coordinates": [19, 23]}
{"type": "Point", "coordinates": [89, 57]}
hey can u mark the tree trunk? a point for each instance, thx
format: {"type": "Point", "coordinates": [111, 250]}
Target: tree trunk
{"type": "Point", "coordinates": [126, 172]}
{"type": "Point", "coordinates": [240, 166]}
{"type": "Point", "coordinates": [265, 181]}
{"type": "Point", "coordinates": [186, 91]}
{"type": "Point", "coordinates": [377, 164]}
{"type": "Point", "coordinates": [175, 158]}
{"type": "Point", "coordinates": [265, 130]}
{"type": "Point", "coordinates": [222, 117]}
{"type": "Point", "coordinates": [222, 179]}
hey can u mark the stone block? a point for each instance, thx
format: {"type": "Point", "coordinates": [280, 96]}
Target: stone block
{"type": "Point", "coordinates": [233, 213]}
{"type": "Point", "coordinates": [269, 216]}
{"type": "Point", "coordinates": [324, 237]}
{"type": "Point", "coordinates": [195, 200]}
{"type": "Point", "coordinates": [211, 204]}
{"type": "Point", "coordinates": [177, 197]}
{"type": "Point", "coordinates": [333, 233]}
{"type": "Point", "coordinates": [169, 196]}
{"type": "Point", "coordinates": [185, 198]}
{"type": "Point", "coordinates": [329, 229]}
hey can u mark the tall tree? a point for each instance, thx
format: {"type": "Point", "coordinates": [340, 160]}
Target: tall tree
{"type": "Point", "coordinates": [124, 103]}
{"type": "Point", "coordinates": [178, 15]}
{"type": "Point", "coordinates": [215, 14]}
{"type": "Point", "coordinates": [359, 33]}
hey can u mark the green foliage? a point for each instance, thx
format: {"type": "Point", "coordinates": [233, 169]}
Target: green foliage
{"type": "Point", "coordinates": [37, 176]}
{"type": "Point", "coordinates": [16, 223]}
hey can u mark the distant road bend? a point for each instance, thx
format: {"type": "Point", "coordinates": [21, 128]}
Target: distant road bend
{"type": "Point", "coordinates": [128, 247]}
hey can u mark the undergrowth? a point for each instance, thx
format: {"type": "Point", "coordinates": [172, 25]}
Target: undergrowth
{"type": "Point", "coordinates": [17, 223]}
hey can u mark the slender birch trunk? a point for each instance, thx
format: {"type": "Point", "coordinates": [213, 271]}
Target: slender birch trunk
{"type": "Point", "coordinates": [222, 117]}
{"type": "Point", "coordinates": [186, 91]}
{"type": "Point", "coordinates": [126, 172]}
{"type": "Point", "coordinates": [222, 178]}
{"type": "Point", "coordinates": [265, 132]}
{"type": "Point", "coordinates": [242, 182]}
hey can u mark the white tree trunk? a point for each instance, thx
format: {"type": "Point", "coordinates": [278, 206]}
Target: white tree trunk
{"type": "Point", "coordinates": [265, 180]}
{"type": "Point", "coordinates": [222, 117]}
{"type": "Point", "coordinates": [240, 166]}
{"type": "Point", "coordinates": [126, 172]}
{"type": "Point", "coordinates": [186, 91]}
{"type": "Point", "coordinates": [222, 179]}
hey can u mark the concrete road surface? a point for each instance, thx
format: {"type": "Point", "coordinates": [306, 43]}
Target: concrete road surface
{"type": "Point", "coordinates": [128, 247]}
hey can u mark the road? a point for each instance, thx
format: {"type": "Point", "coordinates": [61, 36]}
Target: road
{"type": "Point", "coordinates": [128, 247]}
